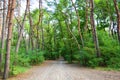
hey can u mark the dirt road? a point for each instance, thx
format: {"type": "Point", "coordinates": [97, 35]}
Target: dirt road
{"type": "Point", "coordinates": [60, 70]}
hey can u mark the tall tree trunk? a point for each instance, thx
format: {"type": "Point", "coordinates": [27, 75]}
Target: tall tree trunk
{"type": "Point", "coordinates": [109, 13]}
{"type": "Point", "coordinates": [3, 34]}
{"type": "Point", "coordinates": [86, 16]}
{"type": "Point", "coordinates": [9, 36]}
{"type": "Point", "coordinates": [31, 44]}
{"type": "Point", "coordinates": [18, 14]}
{"type": "Point", "coordinates": [22, 28]}
{"type": "Point", "coordinates": [78, 18]}
{"type": "Point", "coordinates": [42, 36]}
{"type": "Point", "coordinates": [95, 38]}
{"type": "Point", "coordinates": [39, 24]}
{"type": "Point", "coordinates": [0, 34]}
{"type": "Point", "coordinates": [40, 18]}
{"type": "Point", "coordinates": [118, 18]}
{"type": "Point", "coordinates": [0, 18]}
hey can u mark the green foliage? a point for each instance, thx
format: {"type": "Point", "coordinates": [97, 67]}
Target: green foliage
{"type": "Point", "coordinates": [84, 56]}
{"type": "Point", "coordinates": [18, 69]}
{"type": "Point", "coordinates": [23, 60]}
{"type": "Point", "coordinates": [51, 55]}
{"type": "Point", "coordinates": [35, 57]}
{"type": "Point", "coordinates": [68, 58]}
{"type": "Point", "coordinates": [114, 62]}
{"type": "Point", "coordinates": [95, 62]}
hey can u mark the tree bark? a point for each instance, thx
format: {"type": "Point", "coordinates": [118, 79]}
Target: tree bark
{"type": "Point", "coordinates": [68, 26]}
{"type": "Point", "coordinates": [94, 32]}
{"type": "Point", "coordinates": [9, 36]}
{"type": "Point", "coordinates": [31, 44]}
{"type": "Point", "coordinates": [22, 28]}
{"type": "Point", "coordinates": [118, 18]}
{"type": "Point", "coordinates": [78, 18]}
{"type": "Point", "coordinates": [0, 18]}
{"type": "Point", "coordinates": [3, 34]}
{"type": "Point", "coordinates": [86, 16]}
{"type": "Point", "coordinates": [18, 14]}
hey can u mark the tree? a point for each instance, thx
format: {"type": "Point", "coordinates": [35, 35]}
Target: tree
{"type": "Point", "coordinates": [95, 38]}
{"type": "Point", "coordinates": [11, 6]}
{"type": "Point", "coordinates": [118, 18]}
{"type": "Point", "coordinates": [0, 34]}
{"type": "Point", "coordinates": [22, 27]}
{"type": "Point", "coordinates": [79, 29]}
{"type": "Point", "coordinates": [31, 44]}
{"type": "Point", "coordinates": [3, 34]}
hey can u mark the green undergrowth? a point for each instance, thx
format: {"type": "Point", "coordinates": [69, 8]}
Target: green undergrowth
{"type": "Point", "coordinates": [18, 70]}
{"type": "Point", "coordinates": [86, 56]}
{"type": "Point", "coordinates": [107, 69]}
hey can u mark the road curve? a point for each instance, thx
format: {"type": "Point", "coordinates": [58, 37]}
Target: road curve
{"type": "Point", "coordinates": [60, 70]}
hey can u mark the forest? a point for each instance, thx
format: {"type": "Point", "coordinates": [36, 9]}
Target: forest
{"type": "Point", "coordinates": [85, 32]}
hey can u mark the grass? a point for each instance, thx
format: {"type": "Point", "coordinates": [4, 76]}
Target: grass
{"type": "Point", "coordinates": [107, 69]}
{"type": "Point", "coordinates": [18, 70]}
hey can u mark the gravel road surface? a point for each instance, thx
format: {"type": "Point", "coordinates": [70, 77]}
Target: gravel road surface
{"type": "Point", "coordinates": [60, 70]}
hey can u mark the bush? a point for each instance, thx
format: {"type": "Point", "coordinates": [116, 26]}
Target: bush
{"type": "Point", "coordinates": [84, 56]}
{"type": "Point", "coordinates": [17, 70]}
{"type": "Point", "coordinates": [55, 55]}
{"type": "Point", "coordinates": [36, 57]}
{"type": "Point", "coordinates": [107, 53]}
{"type": "Point", "coordinates": [21, 61]}
{"type": "Point", "coordinates": [68, 58]}
{"type": "Point", "coordinates": [114, 63]}
{"type": "Point", "coordinates": [95, 62]}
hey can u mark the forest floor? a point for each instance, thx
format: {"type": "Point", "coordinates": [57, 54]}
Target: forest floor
{"type": "Point", "coordinates": [60, 70]}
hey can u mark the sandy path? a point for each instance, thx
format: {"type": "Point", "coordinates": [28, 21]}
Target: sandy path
{"type": "Point", "coordinates": [60, 70]}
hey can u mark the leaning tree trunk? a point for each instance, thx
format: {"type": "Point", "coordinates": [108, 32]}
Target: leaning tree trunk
{"type": "Point", "coordinates": [78, 18]}
{"type": "Point", "coordinates": [68, 27]}
{"type": "Point", "coordinates": [118, 18]}
{"type": "Point", "coordinates": [95, 38]}
{"type": "Point", "coordinates": [9, 36]}
{"type": "Point", "coordinates": [22, 28]}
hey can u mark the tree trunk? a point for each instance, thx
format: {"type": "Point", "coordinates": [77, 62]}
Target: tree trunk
{"type": "Point", "coordinates": [18, 14]}
{"type": "Point", "coordinates": [22, 29]}
{"type": "Point", "coordinates": [78, 18]}
{"type": "Point", "coordinates": [68, 26]}
{"type": "Point", "coordinates": [0, 18]}
{"type": "Point", "coordinates": [9, 36]}
{"type": "Point", "coordinates": [118, 18]}
{"type": "Point", "coordinates": [42, 37]}
{"type": "Point", "coordinates": [109, 13]}
{"type": "Point", "coordinates": [31, 44]}
{"type": "Point", "coordinates": [86, 16]}
{"type": "Point", "coordinates": [0, 34]}
{"type": "Point", "coordinates": [3, 34]}
{"type": "Point", "coordinates": [95, 38]}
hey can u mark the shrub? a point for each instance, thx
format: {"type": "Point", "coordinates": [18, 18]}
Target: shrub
{"type": "Point", "coordinates": [84, 56]}
{"type": "Point", "coordinates": [55, 55]}
{"type": "Point", "coordinates": [17, 70]}
{"type": "Point", "coordinates": [36, 57]}
{"type": "Point", "coordinates": [95, 62]}
{"type": "Point", "coordinates": [68, 58]}
{"type": "Point", "coordinates": [114, 62]}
